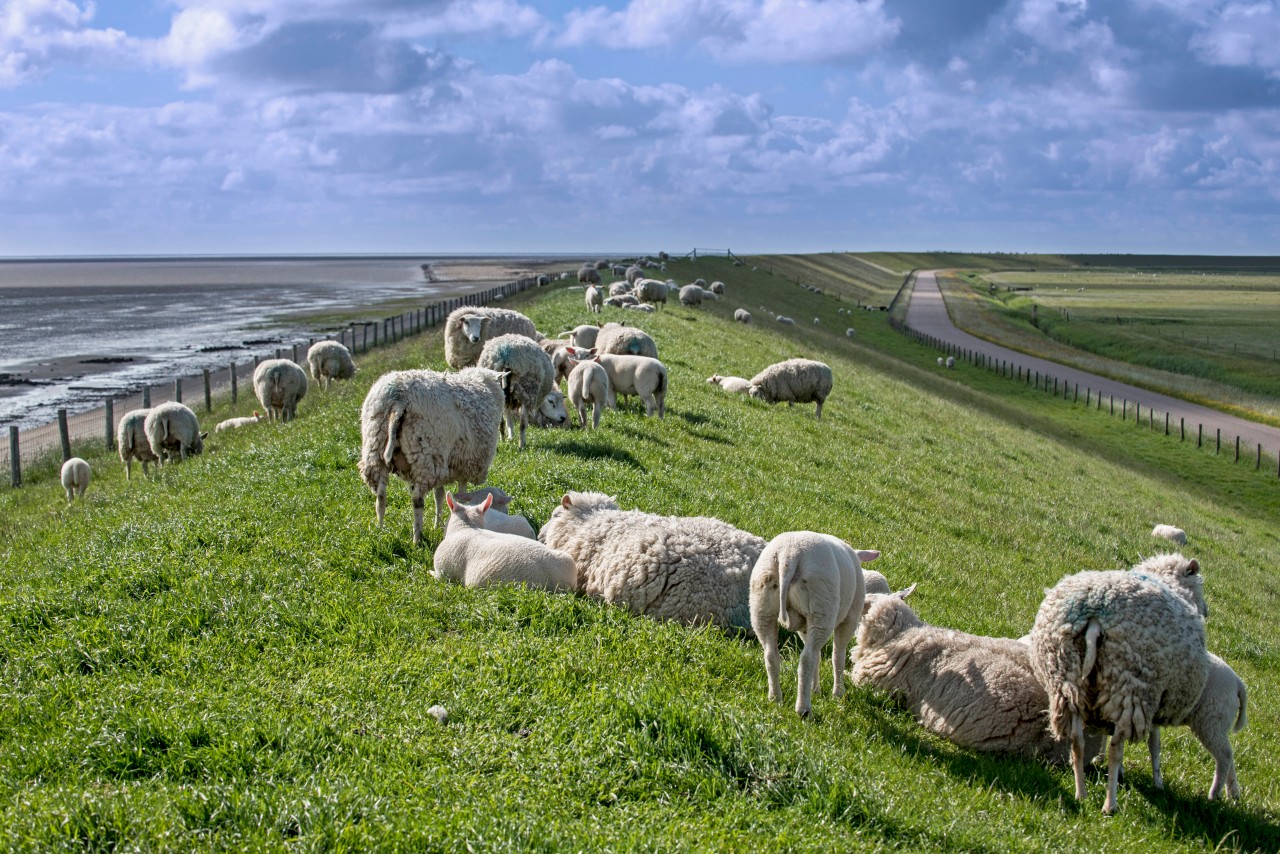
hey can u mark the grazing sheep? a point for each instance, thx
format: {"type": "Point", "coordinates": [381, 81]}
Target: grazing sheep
{"type": "Point", "coordinates": [468, 328]}
{"type": "Point", "coordinates": [582, 336]}
{"type": "Point", "coordinates": [588, 384]}
{"type": "Point", "coordinates": [694, 570]}
{"type": "Point", "coordinates": [428, 429]}
{"type": "Point", "coordinates": [850, 332]}
{"type": "Point", "coordinates": [625, 341]}
{"type": "Point", "coordinates": [785, 321]}
{"type": "Point", "coordinates": [691, 295]}
{"type": "Point", "coordinates": [710, 295]}
{"type": "Point", "coordinates": [637, 375]}
{"type": "Point", "coordinates": [587, 275]}
{"type": "Point", "coordinates": [951, 361]}
{"type": "Point", "coordinates": [978, 692]}
{"type": "Point", "coordinates": [794, 381]}
{"type": "Point", "coordinates": [1168, 532]}
{"type": "Point", "coordinates": [875, 582]}
{"type": "Point", "coordinates": [531, 377]}
{"type": "Point", "coordinates": [651, 291]}
{"type": "Point", "coordinates": [279, 385]}
{"type": "Point", "coordinates": [810, 584]}
{"type": "Point", "coordinates": [328, 361]}
{"type": "Point", "coordinates": [173, 430]}
{"type": "Point", "coordinates": [700, 283]}
{"type": "Point", "coordinates": [941, 361]}
{"type": "Point", "coordinates": [634, 273]}
{"type": "Point", "coordinates": [594, 299]}
{"type": "Point", "coordinates": [131, 441]}
{"type": "Point", "coordinates": [76, 475]}
{"type": "Point", "coordinates": [1220, 711]}
{"type": "Point", "coordinates": [543, 280]}
{"type": "Point", "coordinates": [1123, 650]}
{"type": "Point", "coordinates": [741, 315]}
{"type": "Point", "coordinates": [551, 412]}
{"type": "Point", "coordinates": [478, 557]}
{"type": "Point", "coordinates": [737, 385]}
{"type": "Point", "coordinates": [717, 288]}
{"type": "Point", "coordinates": [602, 264]}
{"type": "Point", "coordinates": [237, 423]}
{"type": "Point", "coordinates": [817, 320]}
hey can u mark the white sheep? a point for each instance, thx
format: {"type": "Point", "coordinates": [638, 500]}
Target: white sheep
{"type": "Point", "coordinates": [551, 412]}
{"type": "Point", "coordinates": [717, 288]}
{"type": "Point", "coordinates": [741, 315]}
{"type": "Point", "coordinates": [817, 320]}
{"type": "Point", "coordinates": [785, 321]}
{"type": "Point", "coordinates": [620, 289]}
{"type": "Point", "coordinates": [691, 295]}
{"type": "Point", "coordinates": [624, 301]}
{"type": "Point", "coordinates": [1220, 711]}
{"type": "Point", "coordinates": [875, 582]}
{"type": "Point", "coordinates": [794, 381]}
{"type": "Point", "coordinates": [850, 332]}
{"type": "Point", "coordinates": [951, 361]}
{"type": "Point", "coordinates": [1169, 532]}
{"type": "Point", "coordinates": [639, 375]}
{"type": "Point", "coordinates": [582, 336]}
{"type": "Point", "coordinates": [530, 377]}
{"type": "Point", "coordinates": [237, 423]}
{"type": "Point", "coordinates": [497, 518]}
{"type": "Point", "coordinates": [941, 361]}
{"type": "Point", "coordinates": [76, 475]}
{"type": "Point", "coordinates": [428, 429]}
{"type": "Point", "coordinates": [1122, 650]}
{"type": "Point", "coordinates": [468, 328]}
{"type": "Point", "coordinates": [172, 430]}
{"type": "Point", "coordinates": [477, 557]}
{"type": "Point", "coordinates": [131, 441]}
{"type": "Point", "coordinates": [594, 299]}
{"type": "Point", "coordinates": [625, 341]}
{"type": "Point", "coordinates": [640, 306]}
{"type": "Point", "coordinates": [329, 361]}
{"type": "Point", "coordinates": [693, 570]}
{"type": "Point", "coordinates": [976, 691]}
{"type": "Point", "coordinates": [810, 584]}
{"type": "Point", "coordinates": [634, 273]}
{"type": "Point", "coordinates": [735, 385]}
{"type": "Point", "coordinates": [651, 291]}
{"type": "Point", "coordinates": [279, 384]}
{"type": "Point", "coordinates": [587, 275]}
{"type": "Point", "coordinates": [710, 296]}
{"type": "Point", "coordinates": [588, 384]}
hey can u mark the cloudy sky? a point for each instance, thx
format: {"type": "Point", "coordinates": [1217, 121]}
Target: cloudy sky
{"type": "Point", "coordinates": [278, 126]}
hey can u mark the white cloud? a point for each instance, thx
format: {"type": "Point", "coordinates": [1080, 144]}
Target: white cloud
{"type": "Point", "coordinates": [37, 35]}
{"type": "Point", "coordinates": [1242, 34]}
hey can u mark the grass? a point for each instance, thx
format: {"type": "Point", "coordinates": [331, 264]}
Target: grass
{"type": "Point", "coordinates": [230, 655]}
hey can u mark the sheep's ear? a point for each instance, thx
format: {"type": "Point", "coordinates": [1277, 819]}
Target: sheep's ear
{"type": "Point", "coordinates": [205, 435]}
{"type": "Point", "coordinates": [867, 555]}
{"type": "Point", "coordinates": [449, 502]}
{"type": "Point", "coordinates": [488, 502]}
{"type": "Point", "coordinates": [903, 594]}
{"type": "Point", "coordinates": [1193, 567]}
{"type": "Point", "coordinates": [566, 501]}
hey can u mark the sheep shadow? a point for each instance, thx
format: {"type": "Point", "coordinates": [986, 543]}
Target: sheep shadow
{"type": "Point", "coordinates": [1212, 822]}
{"type": "Point", "coordinates": [591, 449]}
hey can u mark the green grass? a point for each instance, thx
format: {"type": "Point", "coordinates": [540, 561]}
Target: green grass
{"type": "Point", "coordinates": [231, 655]}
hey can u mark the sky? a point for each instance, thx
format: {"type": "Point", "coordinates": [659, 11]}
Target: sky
{"type": "Point", "coordinates": [494, 126]}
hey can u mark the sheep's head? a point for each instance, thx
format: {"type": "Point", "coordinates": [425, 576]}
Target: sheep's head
{"type": "Point", "coordinates": [552, 407]}
{"type": "Point", "coordinates": [714, 379]}
{"type": "Point", "coordinates": [197, 447]}
{"type": "Point", "coordinates": [1181, 574]}
{"type": "Point", "coordinates": [584, 502]}
{"type": "Point", "coordinates": [473, 327]}
{"type": "Point", "coordinates": [467, 515]}
{"type": "Point", "coordinates": [501, 501]}
{"type": "Point", "coordinates": [885, 616]}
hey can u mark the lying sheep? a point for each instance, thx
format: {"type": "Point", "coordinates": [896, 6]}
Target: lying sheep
{"type": "Point", "coordinates": [1168, 532]}
{"type": "Point", "coordinates": [428, 429]}
{"type": "Point", "coordinates": [478, 557]}
{"type": "Point", "coordinates": [551, 412]}
{"type": "Point", "coordinates": [468, 328]}
{"type": "Point", "coordinates": [279, 384]}
{"type": "Point", "coordinates": [1220, 711]}
{"type": "Point", "coordinates": [329, 361]}
{"type": "Point", "coordinates": [978, 692]}
{"type": "Point", "coordinates": [637, 375]}
{"type": "Point", "coordinates": [651, 291]}
{"type": "Point", "coordinates": [529, 381]}
{"type": "Point", "coordinates": [625, 341]}
{"type": "Point", "coordinates": [794, 381]}
{"type": "Point", "coordinates": [810, 584]}
{"type": "Point", "coordinates": [588, 384]}
{"type": "Point", "coordinates": [620, 289]}
{"type": "Point", "coordinates": [594, 299]}
{"type": "Point", "coordinates": [875, 582]}
{"type": "Point", "coordinates": [497, 518]}
{"type": "Point", "coordinates": [691, 295]}
{"type": "Point", "coordinates": [640, 306]}
{"type": "Point", "coordinates": [172, 430]}
{"type": "Point", "coordinates": [624, 301]}
{"type": "Point", "coordinates": [741, 315]}
{"type": "Point", "coordinates": [131, 441]}
{"type": "Point", "coordinates": [736, 385]}
{"type": "Point", "coordinates": [237, 423]}
{"type": "Point", "coordinates": [785, 321]}
{"type": "Point", "coordinates": [76, 475]}
{"type": "Point", "coordinates": [693, 570]}
{"type": "Point", "coordinates": [1121, 650]}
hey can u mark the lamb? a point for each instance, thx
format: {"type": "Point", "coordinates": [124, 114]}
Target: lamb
{"type": "Point", "coordinates": [173, 430]}
{"type": "Point", "coordinates": [620, 289]}
{"type": "Point", "coordinates": [588, 384]}
{"type": "Point", "coordinates": [429, 428]}
{"type": "Point", "coordinates": [131, 441]}
{"type": "Point", "coordinates": [1123, 650]}
{"type": "Point", "coordinates": [1220, 711]}
{"type": "Point", "coordinates": [237, 423]}
{"type": "Point", "coordinates": [76, 475]}
{"type": "Point", "coordinates": [594, 299]}
{"type": "Point", "coordinates": [811, 584]}
{"type": "Point", "coordinates": [279, 385]}
{"type": "Point", "coordinates": [497, 517]}
{"type": "Point", "coordinates": [478, 557]}
{"type": "Point", "coordinates": [638, 375]}
{"type": "Point", "coordinates": [693, 570]}
{"type": "Point", "coordinates": [691, 295]}
{"type": "Point", "coordinates": [785, 321]}
{"type": "Point", "coordinates": [625, 341]}
{"type": "Point", "coordinates": [551, 412]}
{"type": "Point", "coordinates": [329, 361]}
{"type": "Point", "coordinates": [794, 381]}
{"type": "Point", "coordinates": [978, 692]}
{"type": "Point", "coordinates": [624, 301]}
{"type": "Point", "coordinates": [651, 291]}
{"type": "Point", "coordinates": [582, 336]}
{"type": "Point", "coordinates": [529, 381]}
{"type": "Point", "coordinates": [736, 385]}
{"type": "Point", "coordinates": [468, 328]}
{"type": "Point", "coordinates": [741, 315]}
{"type": "Point", "coordinates": [1168, 532]}
{"type": "Point", "coordinates": [717, 288]}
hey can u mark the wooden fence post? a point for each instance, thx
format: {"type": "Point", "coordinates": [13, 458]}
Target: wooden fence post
{"type": "Point", "coordinates": [177, 389]}
{"type": "Point", "coordinates": [233, 381]}
{"type": "Point", "coordinates": [208, 392]}
{"type": "Point", "coordinates": [146, 397]}
{"type": "Point", "coordinates": [64, 434]}
{"type": "Point", "coordinates": [109, 409]}
{"type": "Point", "coordinates": [15, 458]}
{"type": "Point", "coordinates": [294, 357]}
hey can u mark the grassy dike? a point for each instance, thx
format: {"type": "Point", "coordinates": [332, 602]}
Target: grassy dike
{"type": "Point", "coordinates": [230, 655]}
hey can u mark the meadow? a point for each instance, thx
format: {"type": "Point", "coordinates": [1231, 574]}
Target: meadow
{"type": "Point", "coordinates": [230, 655]}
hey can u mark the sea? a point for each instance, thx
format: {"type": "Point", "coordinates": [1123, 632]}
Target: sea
{"type": "Point", "coordinates": [76, 331]}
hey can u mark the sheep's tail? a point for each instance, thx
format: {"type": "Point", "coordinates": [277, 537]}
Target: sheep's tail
{"type": "Point", "coordinates": [1090, 649]}
{"type": "Point", "coordinates": [1242, 719]}
{"type": "Point", "coordinates": [1067, 698]}
{"type": "Point", "coordinates": [662, 383]}
{"type": "Point", "coordinates": [786, 572]}
{"type": "Point", "coordinates": [393, 432]}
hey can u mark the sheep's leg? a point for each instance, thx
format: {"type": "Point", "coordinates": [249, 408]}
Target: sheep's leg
{"type": "Point", "coordinates": [439, 497]}
{"type": "Point", "coordinates": [128, 468]}
{"type": "Point", "coordinates": [1224, 765]}
{"type": "Point", "coordinates": [772, 664]}
{"type": "Point", "coordinates": [1153, 744]}
{"type": "Point", "coordinates": [380, 502]}
{"type": "Point", "coordinates": [1077, 753]}
{"type": "Point", "coordinates": [1115, 758]}
{"type": "Point", "coordinates": [595, 415]}
{"type": "Point", "coordinates": [807, 678]}
{"type": "Point", "coordinates": [67, 490]}
{"type": "Point", "coordinates": [650, 406]}
{"type": "Point", "coordinates": [818, 414]}
{"type": "Point", "coordinates": [419, 502]}
{"type": "Point", "coordinates": [524, 422]}
{"type": "Point", "coordinates": [840, 650]}
{"type": "Point", "coordinates": [508, 418]}
{"type": "Point", "coordinates": [662, 405]}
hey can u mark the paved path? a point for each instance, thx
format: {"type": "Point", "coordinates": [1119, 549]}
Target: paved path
{"type": "Point", "coordinates": [927, 313]}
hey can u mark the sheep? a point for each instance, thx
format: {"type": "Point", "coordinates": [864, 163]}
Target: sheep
{"type": "Point", "coordinates": [651, 291]}
{"type": "Point", "coordinates": [625, 341]}
{"type": "Point", "coordinates": [76, 475]}
{"type": "Point", "coordinates": [530, 379]}
{"type": "Point", "coordinates": [602, 264]}
{"type": "Point", "coordinates": [850, 332]}
{"type": "Point", "coordinates": [624, 301]}
{"type": "Point", "coordinates": [562, 364]}
{"type": "Point", "coordinates": [587, 275]}
{"type": "Point", "coordinates": [237, 423]}
{"type": "Point", "coordinates": [691, 295]}
{"type": "Point", "coordinates": [588, 384]}
{"type": "Point", "coordinates": [582, 336]}
{"type": "Point", "coordinates": [639, 375]}
{"type": "Point", "coordinates": [428, 429]}
{"type": "Point", "coordinates": [477, 556]}
{"type": "Point", "coordinates": [497, 518]}
{"type": "Point", "coordinates": [551, 412]}
{"type": "Point", "coordinates": [279, 384]}
{"type": "Point", "coordinates": [173, 429]}
{"type": "Point", "coordinates": [700, 283]}
{"type": "Point", "coordinates": [710, 295]}
{"type": "Point", "coordinates": [875, 582]}
{"type": "Point", "coordinates": [784, 320]}
{"type": "Point", "coordinates": [736, 385]}
{"type": "Point", "coordinates": [1220, 711]}
{"type": "Point", "coordinates": [978, 692]}
{"type": "Point", "coordinates": [693, 570]}
{"type": "Point", "coordinates": [717, 288]}
{"type": "Point", "coordinates": [543, 280]}
{"type": "Point", "coordinates": [951, 361]}
{"type": "Point", "coordinates": [794, 381]}
{"type": "Point", "coordinates": [468, 328]}
{"type": "Point", "coordinates": [817, 320]}
{"type": "Point", "coordinates": [634, 273]}
{"type": "Point", "coordinates": [329, 361]}
{"type": "Point", "coordinates": [741, 315]}
{"type": "Point", "coordinates": [941, 361]}
{"type": "Point", "coordinates": [811, 584]}
{"type": "Point", "coordinates": [1168, 532]}
{"type": "Point", "coordinates": [640, 306]}
{"type": "Point", "coordinates": [1123, 650]}
{"type": "Point", "coordinates": [620, 289]}
{"type": "Point", "coordinates": [594, 299]}
{"type": "Point", "coordinates": [131, 441]}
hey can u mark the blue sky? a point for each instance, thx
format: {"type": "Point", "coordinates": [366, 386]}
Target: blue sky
{"type": "Point", "coordinates": [418, 126]}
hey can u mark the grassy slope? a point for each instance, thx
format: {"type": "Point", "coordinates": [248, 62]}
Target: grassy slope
{"type": "Point", "coordinates": [231, 655]}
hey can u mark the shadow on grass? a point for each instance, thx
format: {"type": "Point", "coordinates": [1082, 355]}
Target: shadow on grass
{"type": "Point", "coordinates": [592, 449]}
{"type": "Point", "coordinates": [1217, 824]}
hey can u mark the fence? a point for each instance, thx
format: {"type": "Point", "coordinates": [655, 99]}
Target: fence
{"type": "Point", "coordinates": [25, 448]}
